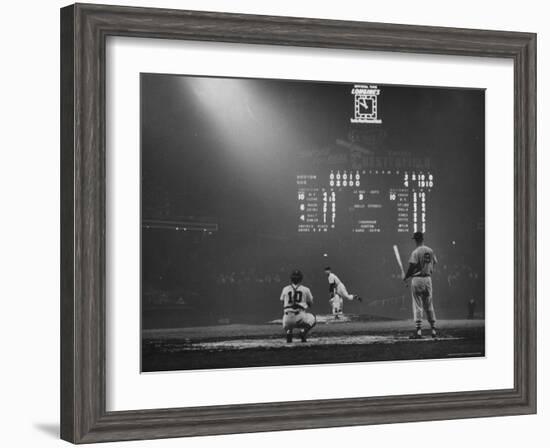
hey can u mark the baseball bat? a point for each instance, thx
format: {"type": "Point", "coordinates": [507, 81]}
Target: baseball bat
{"type": "Point", "coordinates": [398, 258]}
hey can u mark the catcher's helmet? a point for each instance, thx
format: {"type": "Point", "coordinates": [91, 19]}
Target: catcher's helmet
{"type": "Point", "coordinates": [296, 276]}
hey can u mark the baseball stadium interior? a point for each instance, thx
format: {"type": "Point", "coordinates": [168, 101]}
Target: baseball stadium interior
{"type": "Point", "coordinates": [244, 180]}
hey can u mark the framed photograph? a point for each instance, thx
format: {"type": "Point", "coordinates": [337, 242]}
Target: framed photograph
{"type": "Point", "coordinates": [344, 211]}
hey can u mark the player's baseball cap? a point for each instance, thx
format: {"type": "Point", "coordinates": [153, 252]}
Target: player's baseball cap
{"type": "Point", "coordinates": [418, 236]}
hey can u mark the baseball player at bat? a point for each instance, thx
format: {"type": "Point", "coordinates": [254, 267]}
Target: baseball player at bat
{"type": "Point", "coordinates": [296, 299]}
{"type": "Point", "coordinates": [336, 287]}
{"type": "Point", "coordinates": [421, 267]}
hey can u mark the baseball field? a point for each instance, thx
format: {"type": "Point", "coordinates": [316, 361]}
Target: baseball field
{"type": "Point", "coordinates": [352, 339]}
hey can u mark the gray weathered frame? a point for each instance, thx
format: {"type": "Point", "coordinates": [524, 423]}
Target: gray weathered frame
{"type": "Point", "coordinates": [84, 29]}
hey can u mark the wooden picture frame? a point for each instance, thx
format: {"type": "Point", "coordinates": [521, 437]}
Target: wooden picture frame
{"type": "Point", "coordinates": [84, 29]}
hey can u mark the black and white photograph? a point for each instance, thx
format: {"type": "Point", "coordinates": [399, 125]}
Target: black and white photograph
{"type": "Point", "coordinates": [278, 223]}
{"type": "Point", "coordinates": [288, 222]}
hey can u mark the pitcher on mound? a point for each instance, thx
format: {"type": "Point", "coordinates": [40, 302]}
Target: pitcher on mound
{"type": "Point", "coordinates": [336, 287]}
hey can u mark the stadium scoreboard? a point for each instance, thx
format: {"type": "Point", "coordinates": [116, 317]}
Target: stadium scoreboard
{"type": "Point", "coordinates": [364, 201]}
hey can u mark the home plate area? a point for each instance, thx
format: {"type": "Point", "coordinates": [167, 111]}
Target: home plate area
{"type": "Point", "coordinates": [349, 339]}
{"type": "Point", "coordinates": [243, 344]}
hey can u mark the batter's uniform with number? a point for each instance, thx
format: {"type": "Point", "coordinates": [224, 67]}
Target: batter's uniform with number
{"type": "Point", "coordinates": [336, 286]}
{"type": "Point", "coordinates": [421, 284]}
{"type": "Point", "coordinates": [296, 300]}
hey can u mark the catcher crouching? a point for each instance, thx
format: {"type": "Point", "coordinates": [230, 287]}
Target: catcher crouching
{"type": "Point", "coordinates": [296, 299]}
